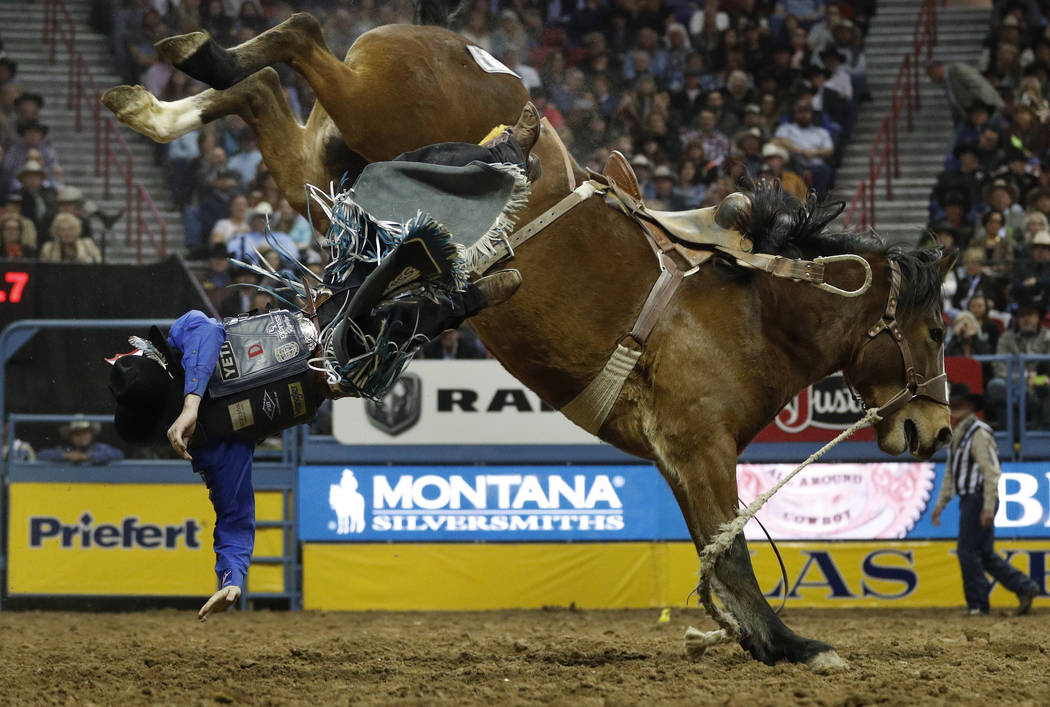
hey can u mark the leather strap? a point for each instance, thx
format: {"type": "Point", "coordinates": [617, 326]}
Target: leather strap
{"type": "Point", "coordinates": [659, 297]}
{"type": "Point", "coordinates": [778, 265]}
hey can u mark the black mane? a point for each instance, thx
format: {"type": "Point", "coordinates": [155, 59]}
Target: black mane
{"type": "Point", "coordinates": [782, 225]}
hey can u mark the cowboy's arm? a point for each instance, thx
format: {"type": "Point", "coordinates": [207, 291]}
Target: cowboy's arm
{"type": "Point", "coordinates": [101, 453]}
{"type": "Point", "coordinates": [983, 449]}
{"type": "Point", "coordinates": [199, 338]}
{"type": "Point", "coordinates": [945, 494]}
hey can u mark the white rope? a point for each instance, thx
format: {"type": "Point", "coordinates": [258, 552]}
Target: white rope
{"type": "Point", "coordinates": [697, 641]}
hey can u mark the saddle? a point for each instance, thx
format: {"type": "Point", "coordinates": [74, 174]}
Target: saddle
{"type": "Point", "coordinates": [699, 227]}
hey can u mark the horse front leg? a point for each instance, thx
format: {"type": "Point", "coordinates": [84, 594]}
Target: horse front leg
{"type": "Point", "coordinates": [702, 472]}
{"type": "Point", "coordinates": [295, 154]}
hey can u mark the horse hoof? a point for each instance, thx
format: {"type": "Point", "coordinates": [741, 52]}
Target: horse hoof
{"type": "Point", "coordinates": [133, 106]}
{"type": "Point", "coordinates": [181, 47]}
{"type": "Point", "coordinates": [827, 662]}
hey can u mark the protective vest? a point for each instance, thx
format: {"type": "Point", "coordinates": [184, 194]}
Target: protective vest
{"type": "Point", "coordinates": [260, 349]}
{"type": "Point", "coordinates": [261, 383]}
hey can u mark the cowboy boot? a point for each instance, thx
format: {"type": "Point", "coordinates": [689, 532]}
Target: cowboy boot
{"type": "Point", "coordinates": [498, 287]}
{"type": "Point", "coordinates": [526, 131]}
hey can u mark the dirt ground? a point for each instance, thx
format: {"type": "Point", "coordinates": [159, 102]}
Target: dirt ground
{"type": "Point", "coordinates": [512, 657]}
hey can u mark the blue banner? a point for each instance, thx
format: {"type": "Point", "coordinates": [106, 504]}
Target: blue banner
{"type": "Point", "coordinates": [1024, 505]}
{"type": "Point", "coordinates": [515, 503]}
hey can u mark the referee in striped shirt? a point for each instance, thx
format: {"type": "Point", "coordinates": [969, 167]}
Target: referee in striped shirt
{"type": "Point", "coordinates": [972, 473]}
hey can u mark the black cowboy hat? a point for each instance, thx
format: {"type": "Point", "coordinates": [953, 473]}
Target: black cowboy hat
{"type": "Point", "coordinates": [25, 126]}
{"type": "Point", "coordinates": [29, 96]}
{"type": "Point", "coordinates": [9, 63]}
{"type": "Point", "coordinates": [968, 146]}
{"type": "Point", "coordinates": [814, 69]}
{"type": "Point", "coordinates": [148, 396]}
{"type": "Point", "coordinates": [832, 51]}
{"type": "Point", "coordinates": [960, 392]}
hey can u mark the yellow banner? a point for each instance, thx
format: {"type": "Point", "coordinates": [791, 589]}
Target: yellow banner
{"type": "Point", "coordinates": [635, 575]}
{"type": "Point", "coordinates": [124, 539]}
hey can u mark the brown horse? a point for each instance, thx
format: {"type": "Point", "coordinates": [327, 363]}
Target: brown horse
{"type": "Point", "coordinates": [733, 345]}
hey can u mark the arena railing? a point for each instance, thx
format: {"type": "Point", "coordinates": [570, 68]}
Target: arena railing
{"type": "Point", "coordinates": [884, 157]}
{"type": "Point", "coordinates": [112, 153]}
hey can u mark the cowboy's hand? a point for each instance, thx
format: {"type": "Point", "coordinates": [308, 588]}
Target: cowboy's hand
{"type": "Point", "coordinates": [987, 518]}
{"type": "Point", "coordinates": [220, 601]}
{"type": "Point", "coordinates": [181, 431]}
{"type": "Point", "coordinates": [935, 517]}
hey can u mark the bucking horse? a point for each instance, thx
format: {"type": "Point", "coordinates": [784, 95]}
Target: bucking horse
{"type": "Point", "coordinates": [687, 373]}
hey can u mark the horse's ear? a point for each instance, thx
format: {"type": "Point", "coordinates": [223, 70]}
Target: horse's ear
{"type": "Point", "coordinates": [947, 261]}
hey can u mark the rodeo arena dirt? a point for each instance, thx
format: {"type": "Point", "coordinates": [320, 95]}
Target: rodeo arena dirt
{"type": "Point", "coordinates": [407, 352]}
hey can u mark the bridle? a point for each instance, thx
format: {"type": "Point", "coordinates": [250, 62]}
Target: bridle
{"type": "Point", "coordinates": [916, 385]}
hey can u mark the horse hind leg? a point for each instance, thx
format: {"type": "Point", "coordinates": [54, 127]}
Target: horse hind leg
{"type": "Point", "coordinates": [204, 59]}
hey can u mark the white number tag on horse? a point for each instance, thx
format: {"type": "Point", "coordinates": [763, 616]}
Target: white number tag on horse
{"type": "Point", "coordinates": [488, 62]}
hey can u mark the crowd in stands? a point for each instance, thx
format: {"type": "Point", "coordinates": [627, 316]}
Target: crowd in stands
{"type": "Point", "coordinates": [992, 201]}
{"type": "Point", "coordinates": [41, 216]}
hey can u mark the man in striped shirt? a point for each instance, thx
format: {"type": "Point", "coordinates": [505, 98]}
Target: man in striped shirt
{"type": "Point", "coordinates": [972, 473]}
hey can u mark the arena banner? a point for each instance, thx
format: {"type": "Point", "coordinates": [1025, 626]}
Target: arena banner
{"type": "Point", "coordinates": [475, 576]}
{"type": "Point", "coordinates": [478, 402]}
{"type": "Point", "coordinates": [862, 501]}
{"type": "Point", "coordinates": [124, 539]}
{"type": "Point", "coordinates": [496, 504]}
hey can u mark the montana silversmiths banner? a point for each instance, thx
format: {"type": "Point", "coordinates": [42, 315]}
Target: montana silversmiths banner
{"type": "Point", "coordinates": [438, 503]}
{"type": "Point", "coordinates": [619, 503]}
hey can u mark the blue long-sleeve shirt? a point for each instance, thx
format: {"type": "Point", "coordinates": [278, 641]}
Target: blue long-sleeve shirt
{"type": "Point", "coordinates": [225, 464]}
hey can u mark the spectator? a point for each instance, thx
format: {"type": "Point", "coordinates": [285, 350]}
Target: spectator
{"type": "Point", "coordinates": [749, 142]}
{"type": "Point", "coordinates": [959, 215]}
{"type": "Point", "coordinates": [998, 249]}
{"type": "Point", "coordinates": [980, 307]}
{"type": "Point", "coordinates": [26, 108]}
{"type": "Point", "coordinates": [1014, 170]}
{"type": "Point", "coordinates": [967, 339]}
{"type": "Point", "coordinates": [965, 180]}
{"type": "Point", "coordinates": [243, 245]}
{"type": "Point", "coordinates": [849, 44]}
{"type": "Point", "coordinates": [974, 277]}
{"type": "Point", "coordinates": [32, 134]}
{"type": "Point", "coordinates": [66, 245]}
{"type": "Point", "coordinates": [246, 161]}
{"type": "Point", "coordinates": [978, 129]}
{"type": "Point", "coordinates": [965, 86]}
{"type": "Point", "coordinates": [810, 144]}
{"type": "Point", "coordinates": [666, 199]}
{"type": "Point", "coordinates": [8, 69]}
{"type": "Point", "coordinates": [1001, 195]}
{"type": "Point", "coordinates": [226, 229]}
{"type": "Point", "coordinates": [82, 447]}
{"type": "Point", "coordinates": [691, 189]}
{"type": "Point", "coordinates": [774, 163]}
{"type": "Point", "coordinates": [477, 29]}
{"type": "Point", "coordinates": [714, 141]}
{"type": "Point", "coordinates": [1031, 278]}
{"type": "Point", "coordinates": [642, 167]}
{"type": "Point", "coordinates": [20, 450]}
{"type": "Point", "coordinates": [217, 276]}
{"type": "Point", "coordinates": [239, 297]}
{"type": "Point", "coordinates": [38, 201]}
{"type": "Point", "coordinates": [14, 242]}
{"type": "Point", "coordinates": [70, 200]}
{"type": "Point", "coordinates": [11, 205]}
{"type": "Point", "coordinates": [1026, 335]}
{"type": "Point", "coordinates": [529, 76]}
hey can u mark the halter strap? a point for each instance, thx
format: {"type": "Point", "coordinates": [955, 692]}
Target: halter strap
{"type": "Point", "coordinates": [916, 385]}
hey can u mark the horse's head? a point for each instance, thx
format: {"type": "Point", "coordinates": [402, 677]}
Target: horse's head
{"type": "Point", "coordinates": [898, 365]}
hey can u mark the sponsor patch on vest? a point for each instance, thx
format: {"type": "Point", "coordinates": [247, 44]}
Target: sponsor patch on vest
{"type": "Point", "coordinates": [295, 392]}
{"type": "Point", "coordinates": [228, 369]}
{"type": "Point", "coordinates": [286, 352]}
{"type": "Point", "coordinates": [270, 404]}
{"type": "Point", "coordinates": [241, 415]}
{"type": "Point", "coordinates": [280, 327]}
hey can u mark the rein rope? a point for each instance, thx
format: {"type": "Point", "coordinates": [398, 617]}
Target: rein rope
{"type": "Point", "coordinates": [696, 641]}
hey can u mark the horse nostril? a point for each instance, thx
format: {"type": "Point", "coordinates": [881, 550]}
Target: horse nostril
{"type": "Point", "coordinates": [944, 436]}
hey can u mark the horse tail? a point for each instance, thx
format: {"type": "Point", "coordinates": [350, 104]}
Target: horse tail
{"type": "Point", "coordinates": [438, 12]}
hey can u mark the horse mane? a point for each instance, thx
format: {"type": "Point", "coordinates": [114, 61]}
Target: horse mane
{"type": "Point", "coordinates": [783, 225]}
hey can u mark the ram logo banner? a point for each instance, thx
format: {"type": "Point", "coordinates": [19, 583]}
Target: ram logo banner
{"type": "Point", "coordinates": [496, 504]}
{"type": "Point", "coordinates": [455, 402]}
